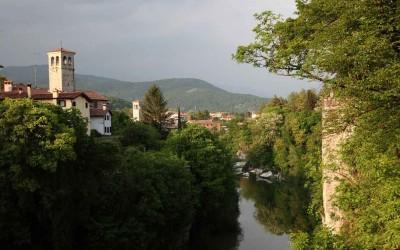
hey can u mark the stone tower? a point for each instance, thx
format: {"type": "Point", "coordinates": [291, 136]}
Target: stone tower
{"type": "Point", "coordinates": [61, 70]}
{"type": "Point", "coordinates": [136, 111]}
{"type": "Point", "coordinates": [334, 169]}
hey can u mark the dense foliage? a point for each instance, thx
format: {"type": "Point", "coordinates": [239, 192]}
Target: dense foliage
{"type": "Point", "coordinates": [200, 115]}
{"type": "Point", "coordinates": [210, 163]}
{"type": "Point", "coordinates": [285, 139]}
{"type": "Point", "coordinates": [353, 48]}
{"type": "Point", "coordinates": [62, 189]}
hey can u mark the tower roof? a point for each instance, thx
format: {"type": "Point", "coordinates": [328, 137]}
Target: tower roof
{"type": "Point", "coordinates": [62, 50]}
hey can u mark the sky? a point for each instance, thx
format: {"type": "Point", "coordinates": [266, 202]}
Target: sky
{"type": "Point", "coordinates": [144, 40]}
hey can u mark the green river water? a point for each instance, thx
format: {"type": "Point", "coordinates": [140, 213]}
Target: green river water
{"type": "Point", "coordinates": [269, 212]}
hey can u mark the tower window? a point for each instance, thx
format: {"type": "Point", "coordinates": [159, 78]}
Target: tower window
{"type": "Point", "coordinates": [86, 105]}
{"type": "Point", "coordinates": [65, 60]}
{"type": "Point", "coordinates": [52, 60]}
{"type": "Point", "coordinates": [57, 60]}
{"type": "Point", "coordinates": [69, 61]}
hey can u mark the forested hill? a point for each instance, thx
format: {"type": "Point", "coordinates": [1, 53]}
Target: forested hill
{"type": "Point", "coordinates": [188, 92]}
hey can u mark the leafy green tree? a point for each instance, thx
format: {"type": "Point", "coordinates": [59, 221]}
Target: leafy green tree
{"type": "Point", "coordinates": [154, 107]}
{"type": "Point", "coordinates": [210, 163]}
{"type": "Point", "coordinates": [140, 135]}
{"type": "Point", "coordinates": [146, 204]}
{"type": "Point", "coordinates": [120, 120]}
{"type": "Point", "coordinates": [38, 151]}
{"type": "Point", "coordinates": [352, 48]}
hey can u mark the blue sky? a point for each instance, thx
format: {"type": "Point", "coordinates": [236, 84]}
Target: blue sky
{"type": "Point", "coordinates": [140, 40]}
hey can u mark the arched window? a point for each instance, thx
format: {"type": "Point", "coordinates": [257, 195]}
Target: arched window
{"type": "Point", "coordinates": [52, 60]}
{"type": "Point", "coordinates": [69, 61]}
{"type": "Point", "coordinates": [57, 60]}
{"type": "Point", "coordinates": [65, 60]}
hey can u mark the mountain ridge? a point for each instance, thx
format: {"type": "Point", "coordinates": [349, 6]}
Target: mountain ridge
{"type": "Point", "coordinates": [189, 93]}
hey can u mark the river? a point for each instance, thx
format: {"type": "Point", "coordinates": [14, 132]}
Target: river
{"type": "Point", "coordinates": [254, 235]}
{"type": "Point", "coordinates": [268, 213]}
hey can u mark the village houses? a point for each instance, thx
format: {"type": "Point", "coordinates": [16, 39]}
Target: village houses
{"type": "Point", "coordinates": [62, 91]}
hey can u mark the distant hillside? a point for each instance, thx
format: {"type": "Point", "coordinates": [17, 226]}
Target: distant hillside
{"type": "Point", "coordinates": [189, 93]}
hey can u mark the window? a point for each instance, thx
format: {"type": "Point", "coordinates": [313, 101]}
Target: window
{"type": "Point", "coordinates": [57, 60]}
{"type": "Point", "coordinates": [107, 118]}
{"type": "Point", "coordinates": [86, 105]}
{"type": "Point", "coordinates": [105, 130]}
{"type": "Point", "coordinates": [69, 61]}
{"type": "Point", "coordinates": [52, 60]}
{"type": "Point", "coordinates": [65, 60]}
{"type": "Point", "coordinates": [74, 104]}
{"type": "Point", "coordinates": [61, 103]}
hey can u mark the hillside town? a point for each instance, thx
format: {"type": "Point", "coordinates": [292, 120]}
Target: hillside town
{"type": "Point", "coordinates": [200, 125]}
{"type": "Point", "coordinates": [92, 105]}
{"type": "Point", "coordinates": [62, 91]}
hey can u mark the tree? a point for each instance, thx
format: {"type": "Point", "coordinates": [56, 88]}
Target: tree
{"type": "Point", "coordinates": [41, 147]}
{"type": "Point", "coordinates": [154, 107]}
{"type": "Point", "coordinates": [147, 204]}
{"type": "Point", "coordinates": [352, 47]}
{"type": "Point", "coordinates": [140, 135]}
{"type": "Point", "coordinates": [179, 118]}
{"type": "Point", "coordinates": [210, 164]}
{"type": "Point", "coordinates": [120, 120]}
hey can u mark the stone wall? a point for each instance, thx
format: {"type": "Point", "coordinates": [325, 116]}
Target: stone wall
{"type": "Point", "coordinates": [334, 170]}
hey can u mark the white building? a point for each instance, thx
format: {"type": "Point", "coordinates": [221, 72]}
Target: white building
{"type": "Point", "coordinates": [100, 120]}
{"type": "Point", "coordinates": [62, 91]}
{"type": "Point", "coordinates": [136, 111]}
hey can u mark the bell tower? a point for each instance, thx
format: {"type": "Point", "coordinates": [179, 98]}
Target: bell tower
{"type": "Point", "coordinates": [61, 70]}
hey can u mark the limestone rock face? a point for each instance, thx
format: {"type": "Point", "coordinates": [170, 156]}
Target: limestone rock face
{"type": "Point", "coordinates": [334, 170]}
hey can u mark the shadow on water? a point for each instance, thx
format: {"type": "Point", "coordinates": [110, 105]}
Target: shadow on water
{"type": "Point", "coordinates": [268, 213]}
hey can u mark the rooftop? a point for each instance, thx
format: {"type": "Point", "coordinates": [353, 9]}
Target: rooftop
{"type": "Point", "coordinates": [62, 50]}
{"type": "Point", "coordinates": [20, 91]}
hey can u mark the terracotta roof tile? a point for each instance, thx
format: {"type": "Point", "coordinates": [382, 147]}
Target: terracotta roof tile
{"type": "Point", "coordinates": [98, 112]}
{"type": "Point", "coordinates": [62, 50]}
{"type": "Point", "coordinates": [43, 93]}
{"type": "Point", "coordinates": [93, 95]}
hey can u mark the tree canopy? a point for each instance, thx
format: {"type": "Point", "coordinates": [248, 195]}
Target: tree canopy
{"type": "Point", "coordinates": [352, 47]}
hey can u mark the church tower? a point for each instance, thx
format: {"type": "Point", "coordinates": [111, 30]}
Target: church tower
{"type": "Point", "coordinates": [61, 70]}
{"type": "Point", "coordinates": [136, 111]}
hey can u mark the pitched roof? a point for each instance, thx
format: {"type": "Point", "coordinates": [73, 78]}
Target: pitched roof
{"type": "Point", "coordinates": [95, 96]}
{"type": "Point", "coordinates": [98, 112]}
{"type": "Point", "coordinates": [62, 50]}
{"type": "Point", "coordinates": [20, 91]}
{"type": "Point", "coordinates": [71, 95]}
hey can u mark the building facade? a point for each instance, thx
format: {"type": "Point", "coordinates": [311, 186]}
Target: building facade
{"type": "Point", "coordinates": [62, 91]}
{"type": "Point", "coordinates": [136, 111]}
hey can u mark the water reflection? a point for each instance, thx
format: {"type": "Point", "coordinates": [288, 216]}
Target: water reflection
{"type": "Point", "coordinates": [268, 213]}
{"type": "Point", "coordinates": [281, 207]}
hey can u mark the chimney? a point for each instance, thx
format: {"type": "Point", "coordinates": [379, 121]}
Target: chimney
{"type": "Point", "coordinates": [8, 86]}
{"type": "Point", "coordinates": [104, 106]}
{"type": "Point", "coordinates": [29, 90]}
{"type": "Point", "coordinates": [55, 94]}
